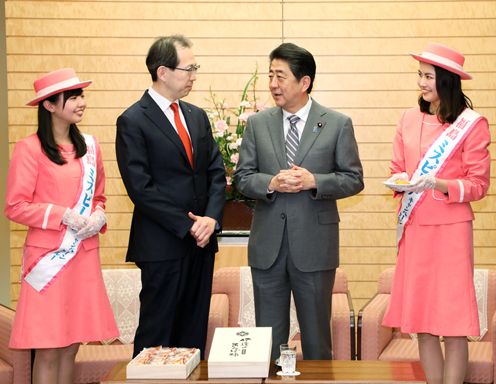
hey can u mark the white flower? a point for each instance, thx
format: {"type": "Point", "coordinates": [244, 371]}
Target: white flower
{"type": "Point", "coordinates": [228, 126]}
{"type": "Point", "coordinates": [235, 158]}
{"type": "Point", "coordinates": [217, 134]}
{"type": "Point", "coordinates": [221, 127]}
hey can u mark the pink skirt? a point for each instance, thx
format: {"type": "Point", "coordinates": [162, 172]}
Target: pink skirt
{"type": "Point", "coordinates": [433, 290]}
{"type": "Point", "coordinates": [73, 309]}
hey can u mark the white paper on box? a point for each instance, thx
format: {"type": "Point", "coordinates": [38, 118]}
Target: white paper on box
{"type": "Point", "coordinates": [240, 352]}
{"type": "Point", "coordinates": [163, 363]}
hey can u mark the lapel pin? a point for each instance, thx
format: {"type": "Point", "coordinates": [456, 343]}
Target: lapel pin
{"type": "Point", "coordinates": [318, 127]}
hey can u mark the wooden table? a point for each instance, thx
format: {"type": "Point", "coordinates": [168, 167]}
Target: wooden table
{"type": "Point", "coordinates": [362, 371]}
{"type": "Point", "coordinates": [312, 372]}
{"type": "Point", "coordinates": [199, 375]}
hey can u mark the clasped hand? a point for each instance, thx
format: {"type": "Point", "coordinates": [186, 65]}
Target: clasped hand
{"type": "Point", "coordinates": [416, 185]}
{"type": "Point", "coordinates": [292, 180]}
{"type": "Point", "coordinates": [202, 229]}
{"type": "Point", "coordinates": [95, 223]}
{"type": "Point", "coordinates": [84, 226]}
{"type": "Point", "coordinates": [73, 219]}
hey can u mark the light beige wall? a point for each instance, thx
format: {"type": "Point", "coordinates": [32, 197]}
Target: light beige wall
{"type": "Point", "coordinates": [4, 159]}
{"type": "Point", "coordinates": [363, 70]}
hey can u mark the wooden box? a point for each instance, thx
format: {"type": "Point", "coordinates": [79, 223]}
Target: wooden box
{"type": "Point", "coordinates": [240, 352]}
{"type": "Point", "coordinates": [163, 363]}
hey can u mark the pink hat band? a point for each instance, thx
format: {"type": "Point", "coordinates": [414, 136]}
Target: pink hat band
{"type": "Point", "coordinates": [444, 57]}
{"type": "Point", "coordinates": [55, 82]}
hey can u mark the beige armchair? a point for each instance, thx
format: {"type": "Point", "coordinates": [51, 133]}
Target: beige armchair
{"type": "Point", "coordinates": [15, 364]}
{"type": "Point", "coordinates": [376, 342]}
{"type": "Point", "coordinates": [225, 307]}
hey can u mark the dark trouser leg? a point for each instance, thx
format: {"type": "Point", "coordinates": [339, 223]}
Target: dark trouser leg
{"type": "Point", "coordinates": [312, 292]}
{"type": "Point", "coordinates": [158, 301]}
{"type": "Point", "coordinates": [272, 293]}
{"type": "Point", "coordinates": [195, 288]}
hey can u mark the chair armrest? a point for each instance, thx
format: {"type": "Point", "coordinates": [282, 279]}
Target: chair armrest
{"type": "Point", "coordinates": [6, 320]}
{"type": "Point", "coordinates": [493, 328]}
{"type": "Point", "coordinates": [493, 341]}
{"type": "Point", "coordinates": [343, 327]}
{"type": "Point", "coordinates": [19, 359]}
{"type": "Point", "coordinates": [352, 327]}
{"type": "Point", "coordinates": [218, 317]}
{"type": "Point", "coordinates": [372, 337]}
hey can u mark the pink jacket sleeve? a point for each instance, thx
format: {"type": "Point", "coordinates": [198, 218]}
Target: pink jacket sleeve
{"type": "Point", "coordinates": [99, 199]}
{"type": "Point", "coordinates": [467, 171]}
{"type": "Point", "coordinates": [21, 184]}
{"type": "Point", "coordinates": [476, 165]}
{"type": "Point", "coordinates": [29, 200]}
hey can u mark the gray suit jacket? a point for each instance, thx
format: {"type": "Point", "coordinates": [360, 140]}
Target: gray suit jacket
{"type": "Point", "coordinates": [327, 149]}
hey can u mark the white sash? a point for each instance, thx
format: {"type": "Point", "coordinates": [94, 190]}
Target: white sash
{"type": "Point", "coordinates": [41, 273]}
{"type": "Point", "coordinates": [434, 160]}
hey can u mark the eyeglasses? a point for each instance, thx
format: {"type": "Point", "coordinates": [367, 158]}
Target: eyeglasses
{"type": "Point", "coordinates": [190, 68]}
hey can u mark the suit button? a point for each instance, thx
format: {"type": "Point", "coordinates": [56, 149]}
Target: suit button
{"type": "Point", "coordinates": [283, 216]}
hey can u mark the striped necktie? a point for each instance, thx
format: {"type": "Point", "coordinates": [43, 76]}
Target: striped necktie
{"type": "Point", "coordinates": [292, 140]}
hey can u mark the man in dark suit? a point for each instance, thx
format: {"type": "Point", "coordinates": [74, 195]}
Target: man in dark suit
{"type": "Point", "coordinates": [296, 160]}
{"type": "Point", "coordinates": [174, 174]}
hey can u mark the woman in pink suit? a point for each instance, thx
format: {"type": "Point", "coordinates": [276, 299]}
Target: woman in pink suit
{"type": "Point", "coordinates": [55, 187]}
{"type": "Point", "coordinates": [440, 164]}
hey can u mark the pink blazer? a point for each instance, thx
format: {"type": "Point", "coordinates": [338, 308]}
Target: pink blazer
{"type": "Point", "coordinates": [467, 170]}
{"type": "Point", "coordinates": [36, 194]}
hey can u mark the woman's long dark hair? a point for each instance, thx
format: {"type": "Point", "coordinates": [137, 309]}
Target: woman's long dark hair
{"type": "Point", "coordinates": [45, 132]}
{"type": "Point", "coordinates": [452, 100]}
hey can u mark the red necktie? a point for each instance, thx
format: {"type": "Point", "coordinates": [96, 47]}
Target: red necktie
{"type": "Point", "coordinates": [183, 134]}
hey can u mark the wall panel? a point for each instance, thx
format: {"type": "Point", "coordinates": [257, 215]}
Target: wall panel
{"type": "Point", "coordinates": [381, 10]}
{"type": "Point", "coordinates": [363, 70]}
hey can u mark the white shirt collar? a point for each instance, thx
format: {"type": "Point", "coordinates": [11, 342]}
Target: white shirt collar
{"type": "Point", "coordinates": [161, 101]}
{"type": "Point", "coordinates": [302, 113]}
{"type": "Point", "coordinates": [164, 104]}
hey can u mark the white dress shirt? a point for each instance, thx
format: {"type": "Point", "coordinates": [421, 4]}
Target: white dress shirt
{"type": "Point", "coordinates": [164, 104]}
{"type": "Point", "coordinates": [302, 114]}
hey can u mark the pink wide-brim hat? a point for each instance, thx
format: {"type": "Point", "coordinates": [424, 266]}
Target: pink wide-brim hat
{"type": "Point", "coordinates": [57, 81]}
{"type": "Point", "coordinates": [444, 57]}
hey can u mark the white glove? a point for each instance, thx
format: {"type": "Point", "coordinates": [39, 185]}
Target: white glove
{"type": "Point", "coordinates": [73, 219]}
{"type": "Point", "coordinates": [95, 222]}
{"type": "Point", "coordinates": [391, 182]}
{"type": "Point", "coordinates": [422, 183]}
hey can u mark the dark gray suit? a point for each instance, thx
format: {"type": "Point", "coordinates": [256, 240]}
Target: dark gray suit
{"type": "Point", "coordinates": [295, 236]}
